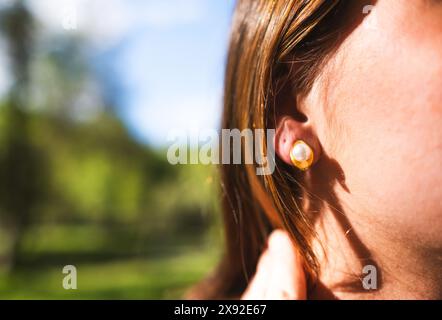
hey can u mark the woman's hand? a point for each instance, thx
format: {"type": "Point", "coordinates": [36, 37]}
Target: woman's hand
{"type": "Point", "coordinates": [280, 273]}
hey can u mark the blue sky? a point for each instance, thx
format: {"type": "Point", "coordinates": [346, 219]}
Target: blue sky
{"type": "Point", "coordinates": [161, 61]}
{"type": "Point", "coordinates": [171, 74]}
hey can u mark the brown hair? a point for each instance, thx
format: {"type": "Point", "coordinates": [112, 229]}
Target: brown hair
{"type": "Point", "coordinates": [274, 43]}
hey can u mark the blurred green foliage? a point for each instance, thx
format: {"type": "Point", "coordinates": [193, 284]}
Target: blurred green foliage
{"type": "Point", "coordinates": [114, 208]}
{"type": "Point", "coordinates": [79, 190]}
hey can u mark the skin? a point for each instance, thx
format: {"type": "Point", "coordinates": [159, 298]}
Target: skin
{"type": "Point", "coordinates": [374, 119]}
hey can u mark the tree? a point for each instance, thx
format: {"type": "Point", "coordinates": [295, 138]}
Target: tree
{"type": "Point", "coordinates": [21, 174]}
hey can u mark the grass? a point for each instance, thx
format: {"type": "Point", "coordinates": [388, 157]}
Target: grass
{"type": "Point", "coordinates": [157, 278]}
{"type": "Point", "coordinates": [111, 263]}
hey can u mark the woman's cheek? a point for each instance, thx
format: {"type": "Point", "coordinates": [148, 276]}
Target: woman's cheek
{"type": "Point", "coordinates": [387, 105]}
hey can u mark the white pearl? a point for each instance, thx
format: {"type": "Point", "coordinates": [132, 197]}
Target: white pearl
{"type": "Point", "coordinates": [301, 152]}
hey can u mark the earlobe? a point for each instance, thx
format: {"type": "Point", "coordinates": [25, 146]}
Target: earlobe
{"type": "Point", "coordinates": [295, 143]}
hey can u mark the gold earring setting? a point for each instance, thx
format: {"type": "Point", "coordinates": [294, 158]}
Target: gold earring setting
{"type": "Point", "coordinates": [301, 155]}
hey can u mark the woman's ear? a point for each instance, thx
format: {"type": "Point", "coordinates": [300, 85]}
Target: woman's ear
{"type": "Point", "coordinates": [295, 142]}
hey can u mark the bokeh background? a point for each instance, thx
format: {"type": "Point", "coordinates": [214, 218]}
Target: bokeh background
{"type": "Point", "coordinates": [89, 92]}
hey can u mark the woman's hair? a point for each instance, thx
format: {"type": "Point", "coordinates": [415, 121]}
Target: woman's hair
{"type": "Point", "coordinates": [274, 44]}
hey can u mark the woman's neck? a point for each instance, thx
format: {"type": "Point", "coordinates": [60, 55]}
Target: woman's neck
{"type": "Point", "coordinates": [359, 261]}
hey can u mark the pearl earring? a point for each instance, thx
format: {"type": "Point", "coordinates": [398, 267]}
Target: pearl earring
{"type": "Point", "coordinates": [301, 155]}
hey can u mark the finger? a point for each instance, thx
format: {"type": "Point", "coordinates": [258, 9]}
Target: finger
{"type": "Point", "coordinates": [257, 286]}
{"type": "Point", "coordinates": [280, 273]}
{"type": "Point", "coordinates": [288, 280]}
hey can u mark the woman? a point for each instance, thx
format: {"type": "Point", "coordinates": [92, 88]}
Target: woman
{"type": "Point", "coordinates": [353, 90]}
